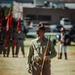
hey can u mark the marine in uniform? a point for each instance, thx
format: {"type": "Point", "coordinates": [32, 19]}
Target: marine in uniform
{"type": "Point", "coordinates": [36, 53]}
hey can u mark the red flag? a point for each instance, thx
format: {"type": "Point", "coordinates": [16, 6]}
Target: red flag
{"type": "Point", "coordinates": [18, 24]}
{"type": "Point", "coordinates": [0, 19]}
{"type": "Point", "coordinates": [10, 19]}
{"type": "Point", "coordinates": [7, 25]}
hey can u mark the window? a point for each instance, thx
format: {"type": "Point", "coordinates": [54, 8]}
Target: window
{"type": "Point", "coordinates": [32, 17]}
{"type": "Point", "coordinates": [39, 17]}
{"type": "Point", "coordinates": [44, 18]}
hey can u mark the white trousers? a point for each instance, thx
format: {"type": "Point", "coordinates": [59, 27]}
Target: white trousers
{"type": "Point", "coordinates": [62, 48]}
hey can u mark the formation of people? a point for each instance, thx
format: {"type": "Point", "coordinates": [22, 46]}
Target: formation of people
{"type": "Point", "coordinates": [11, 36]}
{"type": "Point", "coordinates": [11, 40]}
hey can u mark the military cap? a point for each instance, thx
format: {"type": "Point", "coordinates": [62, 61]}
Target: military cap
{"type": "Point", "coordinates": [40, 27]}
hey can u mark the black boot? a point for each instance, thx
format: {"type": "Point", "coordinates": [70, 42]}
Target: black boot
{"type": "Point", "coordinates": [65, 55]}
{"type": "Point", "coordinates": [7, 55]}
{"type": "Point", "coordinates": [60, 56]}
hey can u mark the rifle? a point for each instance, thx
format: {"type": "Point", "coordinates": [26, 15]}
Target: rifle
{"type": "Point", "coordinates": [44, 56]}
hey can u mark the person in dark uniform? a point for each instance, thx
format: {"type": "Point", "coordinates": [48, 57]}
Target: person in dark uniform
{"type": "Point", "coordinates": [36, 53]}
{"type": "Point", "coordinates": [11, 43]}
{"type": "Point", "coordinates": [20, 37]}
{"type": "Point", "coordinates": [2, 41]}
{"type": "Point", "coordinates": [63, 44]}
{"type": "Point", "coordinates": [6, 42]}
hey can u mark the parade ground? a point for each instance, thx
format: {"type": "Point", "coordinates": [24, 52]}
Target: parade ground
{"type": "Point", "coordinates": [18, 65]}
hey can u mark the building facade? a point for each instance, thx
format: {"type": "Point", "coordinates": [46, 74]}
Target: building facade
{"type": "Point", "coordinates": [48, 14]}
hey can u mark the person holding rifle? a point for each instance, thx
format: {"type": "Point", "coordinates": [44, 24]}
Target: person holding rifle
{"type": "Point", "coordinates": [40, 53]}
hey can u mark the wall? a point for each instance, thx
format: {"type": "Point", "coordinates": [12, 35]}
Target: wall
{"type": "Point", "coordinates": [56, 14]}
